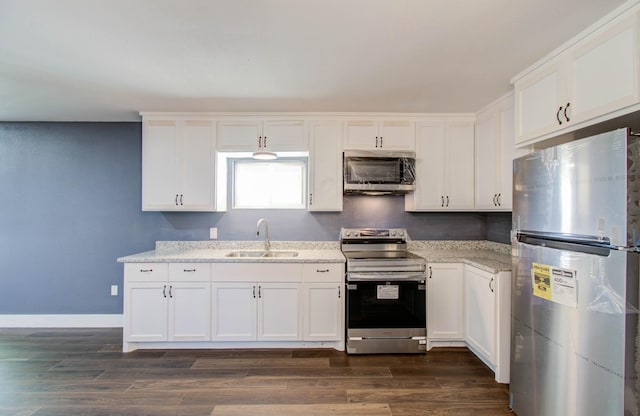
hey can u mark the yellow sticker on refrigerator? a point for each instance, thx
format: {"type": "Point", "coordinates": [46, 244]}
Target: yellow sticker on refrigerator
{"type": "Point", "coordinates": [555, 284]}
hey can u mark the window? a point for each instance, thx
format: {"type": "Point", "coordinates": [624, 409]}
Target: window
{"type": "Point", "coordinates": [280, 183]}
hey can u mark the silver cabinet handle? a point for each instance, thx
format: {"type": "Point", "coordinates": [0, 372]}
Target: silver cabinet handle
{"type": "Point", "coordinates": [441, 201]}
{"type": "Point", "coordinates": [164, 291]}
{"type": "Point", "coordinates": [188, 270]}
{"type": "Point", "coordinates": [260, 142]}
{"type": "Point", "coordinates": [376, 141]}
{"type": "Point", "coordinates": [176, 199]}
{"type": "Point", "coordinates": [264, 142]}
{"type": "Point", "coordinates": [380, 141]}
{"type": "Point", "coordinates": [566, 107]}
{"type": "Point", "coordinates": [170, 291]}
{"type": "Point", "coordinates": [146, 270]}
{"type": "Point", "coordinates": [430, 272]}
{"type": "Point", "coordinates": [311, 199]}
{"type": "Point", "coordinates": [490, 285]}
{"type": "Point", "coordinates": [259, 292]}
{"type": "Point", "coordinates": [494, 200]}
{"type": "Point", "coordinates": [181, 199]}
{"type": "Point", "coordinates": [322, 270]}
{"type": "Point", "coordinates": [499, 203]}
{"type": "Point", "coordinates": [447, 200]}
{"type": "Point", "coordinates": [254, 292]}
{"type": "Point", "coordinates": [338, 291]}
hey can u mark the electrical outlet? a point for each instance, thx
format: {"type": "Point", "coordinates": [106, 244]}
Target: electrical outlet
{"type": "Point", "coordinates": [213, 233]}
{"type": "Point", "coordinates": [114, 290]}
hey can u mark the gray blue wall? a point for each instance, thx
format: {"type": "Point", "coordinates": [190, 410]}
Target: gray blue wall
{"type": "Point", "coordinates": [70, 205]}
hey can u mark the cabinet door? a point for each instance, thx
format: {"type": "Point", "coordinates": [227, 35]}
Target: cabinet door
{"type": "Point", "coordinates": [397, 135]}
{"type": "Point", "coordinates": [189, 311]}
{"type": "Point", "coordinates": [508, 153]}
{"type": "Point", "coordinates": [323, 312]}
{"type": "Point", "coordinates": [603, 72]}
{"type": "Point", "coordinates": [460, 161]}
{"type": "Point", "coordinates": [538, 98]}
{"type": "Point", "coordinates": [279, 313]}
{"type": "Point", "coordinates": [325, 159]}
{"type": "Point", "coordinates": [145, 311]}
{"type": "Point", "coordinates": [494, 146]}
{"type": "Point", "coordinates": [197, 161]}
{"type": "Point", "coordinates": [285, 135]}
{"type": "Point", "coordinates": [233, 311]}
{"type": "Point", "coordinates": [160, 173]}
{"type": "Point", "coordinates": [445, 302]}
{"type": "Point", "coordinates": [480, 311]}
{"type": "Point", "coordinates": [361, 134]}
{"type": "Point", "coordinates": [430, 167]}
{"type": "Point", "coordinates": [238, 135]}
{"type": "Point", "coordinates": [487, 163]}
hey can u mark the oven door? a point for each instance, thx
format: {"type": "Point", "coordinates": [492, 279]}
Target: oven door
{"type": "Point", "coordinates": [375, 301]}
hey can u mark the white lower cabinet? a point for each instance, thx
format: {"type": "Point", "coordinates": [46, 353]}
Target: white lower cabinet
{"type": "Point", "coordinates": [470, 306]}
{"type": "Point", "coordinates": [256, 311]}
{"type": "Point", "coordinates": [444, 303]}
{"type": "Point", "coordinates": [487, 299]}
{"type": "Point", "coordinates": [323, 302]}
{"type": "Point", "coordinates": [167, 302]}
{"type": "Point", "coordinates": [207, 304]}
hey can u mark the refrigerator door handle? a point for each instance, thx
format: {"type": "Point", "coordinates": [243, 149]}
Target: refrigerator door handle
{"type": "Point", "coordinates": [572, 242]}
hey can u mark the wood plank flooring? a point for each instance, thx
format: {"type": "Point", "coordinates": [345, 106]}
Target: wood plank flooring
{"type": "Point", "coordinates": [83, 372]}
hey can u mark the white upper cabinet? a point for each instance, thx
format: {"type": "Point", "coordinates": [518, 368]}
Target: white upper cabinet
{"type": "Point", "coordinates": [494, 147]}
{"type": "Point", "coordinates": [325, 165]}
{"type": "Point", "coordinates": [259, 134]}
{"type": "Point", "coordinates": [379, 134]}
{"type": "Point", "coordinates": [444, 165]}
{"type": "Point", "coordinates": [178, 165]}
{"type": "Point", "coordinates": [593, 79]}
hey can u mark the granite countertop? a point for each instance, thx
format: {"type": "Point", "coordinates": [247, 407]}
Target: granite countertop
{"type": "Point", "coordinates": [486, 255]}
{"type": "Point", "coordinates": [216, 251]}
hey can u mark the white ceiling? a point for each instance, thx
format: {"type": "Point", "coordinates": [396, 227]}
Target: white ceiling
{"type": "Point", "coordinates": [106, 60]}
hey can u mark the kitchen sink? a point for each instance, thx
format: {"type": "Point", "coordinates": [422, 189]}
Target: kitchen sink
{"type": "Point", "coordinates": [261, 253]}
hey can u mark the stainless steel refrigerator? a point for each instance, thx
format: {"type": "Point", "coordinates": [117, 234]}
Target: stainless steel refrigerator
{"type": "Point", "coordinates": [574, 326]}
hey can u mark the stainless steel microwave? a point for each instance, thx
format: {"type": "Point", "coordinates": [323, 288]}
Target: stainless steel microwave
{"type": "Point", "coordinates": [379, 173]}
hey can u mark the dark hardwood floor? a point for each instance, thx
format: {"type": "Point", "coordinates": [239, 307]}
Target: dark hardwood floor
{"type": "Point", "coordinates": [83, 371]}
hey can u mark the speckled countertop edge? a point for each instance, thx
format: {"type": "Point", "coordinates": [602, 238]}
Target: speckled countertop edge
{"type": "Point", "coordinates": [486, 255]}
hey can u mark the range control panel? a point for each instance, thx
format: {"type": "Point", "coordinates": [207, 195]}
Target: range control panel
{"type": "Point", "coordinates": [372, 233]}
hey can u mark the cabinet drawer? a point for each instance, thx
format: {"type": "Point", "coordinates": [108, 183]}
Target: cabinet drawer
{"type": "Point", "coordinates": [190, 272]}
{"type": "Point", "coordinates": [146, 272]}
{"type": "Point", "coordinates": [323, 272]}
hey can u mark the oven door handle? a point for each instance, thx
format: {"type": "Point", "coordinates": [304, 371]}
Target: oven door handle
{"type": "Point", "coordinates": [387, 277]}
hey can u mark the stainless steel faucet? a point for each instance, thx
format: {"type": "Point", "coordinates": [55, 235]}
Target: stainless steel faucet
{"type": "Point", "coordinates": [267, 243]}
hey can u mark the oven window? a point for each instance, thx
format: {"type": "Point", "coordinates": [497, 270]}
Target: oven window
{"type": "Point", "coordinates": [386, 305]}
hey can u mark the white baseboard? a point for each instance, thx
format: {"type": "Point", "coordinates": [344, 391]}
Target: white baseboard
{"type": "Point", "coordinates": [61, 321]}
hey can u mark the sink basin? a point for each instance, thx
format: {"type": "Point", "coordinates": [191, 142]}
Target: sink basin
{"type": "Point", "coordinates": [261, 253]}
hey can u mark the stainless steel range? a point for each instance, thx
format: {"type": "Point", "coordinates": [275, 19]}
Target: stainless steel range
{"type": "Point", "coordinates": [386, 292]}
